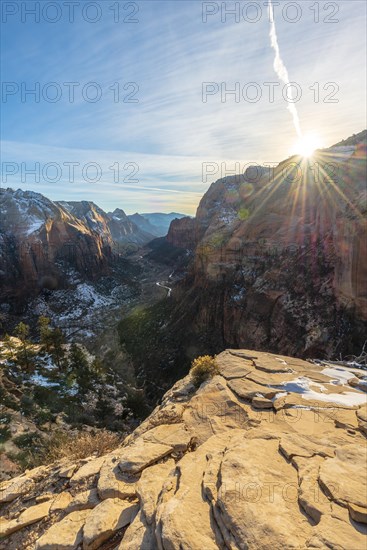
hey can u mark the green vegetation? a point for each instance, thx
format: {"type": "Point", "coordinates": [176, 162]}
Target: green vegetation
{"type": "Point", "coordinates": [4, 427]}
{"type": "Point", "coordinates": [203, 368]}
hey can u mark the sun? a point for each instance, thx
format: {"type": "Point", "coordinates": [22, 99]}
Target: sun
{"type": "Point", "coordinates": [307, 145]}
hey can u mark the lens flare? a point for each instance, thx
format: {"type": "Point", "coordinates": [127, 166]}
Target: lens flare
{"type": "Point", "coordinates": [307, 145]}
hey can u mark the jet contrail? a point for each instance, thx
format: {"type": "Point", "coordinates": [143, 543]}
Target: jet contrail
{"type": "Point", "coordinates": [281, 69]}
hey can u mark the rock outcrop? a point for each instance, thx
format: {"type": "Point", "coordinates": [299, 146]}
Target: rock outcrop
{"type": "Point", "coordinates": [280, 257]}
{"type": "Point", "coordinates": [269, 454]}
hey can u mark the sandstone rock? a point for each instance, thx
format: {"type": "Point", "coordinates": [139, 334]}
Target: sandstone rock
{"type": "Point", "coordinates": [238, 477]}
{"type": "Point", "coordinates": [65, 535]}
{"type": "Point", "coordinates": [231, 366]}
{"type": "Point", "coordinates": [142, 454]}
{"type": "Point", "coordinates": [343, 477]}
{"type": "Point", "coordinates": [272, 365]}
{"type": "Point", "coordinates": [193, 522]}
{"type": "Point", "coordinates": [307, 446]}
{"type": "Point", "coordinates": [107, 518]}
{"type": "Point", "coordinates": [336, 531]}
{"type": "Point", "coordinates": [150, 485]}
{"type": "Point", "coordinates": [269, 379]}
{"type": "Point", "coordinates": [61, 502]}
{"type": "Point", "coordinates": [112, 483]}
{"type": "Point", "coordinates": [357, 512]}
{"type": "Point", "coordinates": [91, 468]}
{"type": "Point", "coordinates": [29, 516]}
{"type": "Point", "coordinates": [246, 389]}
{"type": "Point", "coordinates": [174, 435]}
{"type": "Point", "coordinates": [68, 471]}
{"type": "Point", "coordinates": [139, 535]}
{"type": "Point", "coordinates": [310, 495]}
{"type": "Point", "coordinates": [257, 505]}
{"type": "Point", "coordinates": [262, 403]}
{"type": "Point", "coordinates": [83, 501]}
{"type": "Point", "coordinates": [362, 413]}
{"type": "Point", "coordinates": [214, 410]}
{"type": "Point", "coordinates": [13, 489]}
{"type": "Point", "coordinates": [44, 498]}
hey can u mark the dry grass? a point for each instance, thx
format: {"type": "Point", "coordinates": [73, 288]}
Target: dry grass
{"type": "Point", "coordinates": [79, 445]}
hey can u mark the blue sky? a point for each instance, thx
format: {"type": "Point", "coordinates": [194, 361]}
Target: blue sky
{"type": "Point", "coordinates": [161, 142]}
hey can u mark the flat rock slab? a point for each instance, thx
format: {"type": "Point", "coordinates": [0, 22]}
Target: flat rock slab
{"type": "Point", "coordinates": [213, 410]}
{"type": "Point", "coordinates": [268, 378]}
{"type": "Point", "coordinates": [272, 365]}
{"type": "Point", "coordinates": [306, 445]}
{"type": "Point", "coordinates": [231, 366]}
{"type": "Point", "coordinates": [246, 389]}
{"type": "Point", "coordinates": [104, 520]}
{"type": "Point", "coordinates": [336, 531]}
{"type": "Point", "coordinates": [85, 500]}
{"type": "Point", "coordinates": [89, 469]}
{"type": "Point", "coordinates": [67, 534]}
{"type": "Point", "coordinates": [141, 454]}
{"type": "Point", "coordinates": [344, 476]}
{"type": "Point", "coordinates": [183, 516]}
{"type": "Point", "coordinates": [10, 490]}
{"type": "Point", "coordinates": [175, 436]}
{"type": "Point", "coordinates": [29, 516]}
{"type": "Point", "coordinates": [262, 403]}
{"type": "Point", "coordinates": [255, 502]}
{"type": "Point", "coordinates": [112, 483]}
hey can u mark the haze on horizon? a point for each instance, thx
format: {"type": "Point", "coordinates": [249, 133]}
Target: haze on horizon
{"type": "Point", "coordinates": [151, 152]}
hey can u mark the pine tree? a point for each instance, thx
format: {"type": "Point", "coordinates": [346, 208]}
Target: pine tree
{"type": "Point", "coordinates": [22, 332]}
{"type": "Point", "coordinates": [45, 332]}
{"type": "Point", "coordinates": [79, 366]}
{"type": "Point", "coordinates": [57, 339]}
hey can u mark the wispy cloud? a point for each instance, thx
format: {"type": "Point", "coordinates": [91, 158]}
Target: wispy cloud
{"type": "Point", "coordinates": [171, 131]}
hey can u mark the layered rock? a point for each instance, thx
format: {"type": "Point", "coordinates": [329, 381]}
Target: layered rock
{"type": "Point", "coordinates": [40, 240]}
{"type": "Point", "coordinates": [280, 256]}
{"type": "Point", "coordinates": [213, 468]}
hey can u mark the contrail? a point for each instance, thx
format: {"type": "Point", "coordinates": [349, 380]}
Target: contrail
{"type": "Point", "coordinates": [281, 69]}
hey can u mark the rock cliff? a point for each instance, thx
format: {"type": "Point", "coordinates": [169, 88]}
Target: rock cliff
{"type": "Point", "coordinates": [40, 240]}
{"type": "Point", "coordinates": [269, 454]}
{"type": "Point", "coordinates": [280, 257]}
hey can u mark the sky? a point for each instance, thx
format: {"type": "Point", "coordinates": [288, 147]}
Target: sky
{"type": "Point", "coordinates": [132, 105]}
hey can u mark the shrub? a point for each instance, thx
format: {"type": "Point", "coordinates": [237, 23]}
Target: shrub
{"type": "Point", "coordinates": [80, 445]}
{"type": "Point", "coordinates": [37, 450]}
{"type": "Point", "coordinates": [203, 368]}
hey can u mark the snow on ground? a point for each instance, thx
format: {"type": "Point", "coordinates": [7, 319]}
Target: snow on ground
{"type": "Point", "coordinates": [338, 374]}
{"type": "Point", "coordinates": [40, 380]}
{"type": "Point", "coordinates": [302, 385]}
{"type": "Point", "coordinates": [347, 398]}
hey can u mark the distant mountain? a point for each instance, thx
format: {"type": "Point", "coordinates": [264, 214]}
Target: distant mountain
{"type": "Point", "coordinates": [41, 240]}
{"type": "Point", "coordinates": [155, 223]}
{"type": "Point", "coordinates": [115, 227]}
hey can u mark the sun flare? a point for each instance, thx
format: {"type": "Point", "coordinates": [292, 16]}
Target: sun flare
{"type": "Point", "coordinates": [307, 145]}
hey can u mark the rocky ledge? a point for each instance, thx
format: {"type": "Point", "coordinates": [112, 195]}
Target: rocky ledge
{"type": "Point", "coordinates": [269, 454]}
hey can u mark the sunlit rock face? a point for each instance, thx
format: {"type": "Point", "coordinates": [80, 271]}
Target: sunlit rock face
{"type": "Point", "coordinates": [41, 240]}
{"type": "Point", "coordinates": [280, 254]}
{"type": "Point", "coordinates": [269, 453]}
{"type": "Point", "coordinates": [37, 237]}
